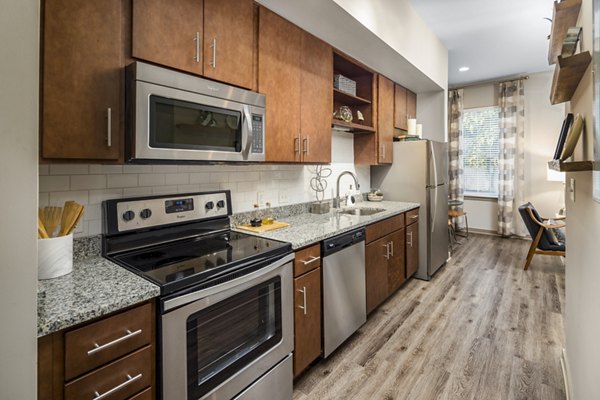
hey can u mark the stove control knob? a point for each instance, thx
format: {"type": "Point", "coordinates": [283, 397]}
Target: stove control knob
{"type": "Point", "coordinates": [146, 213]}
{"type": "Point", "coordinates": [128, 215]}
{"type": "Point", "coordinates": [220, 203]}
{"type": "Point", "coordinates": [210, 205]}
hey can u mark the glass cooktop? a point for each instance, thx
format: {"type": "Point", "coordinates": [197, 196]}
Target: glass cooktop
{"type": "Point", "coordinates": [192, 261]}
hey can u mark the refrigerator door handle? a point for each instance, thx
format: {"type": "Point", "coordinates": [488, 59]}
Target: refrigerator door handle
{"type": "Point", "coordinates": [433, 206]}
{"type": "Point", "coordinates": [434, 163]}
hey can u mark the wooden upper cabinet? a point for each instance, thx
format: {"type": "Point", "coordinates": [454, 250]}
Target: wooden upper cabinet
{"type": "Point", "coordinates": [279, 49]}
{"type": "Point", "coordinates": [400, 107]}
{"type": "Point", "coordinates": [169, 33]}
{"type": "Point", "coordinates": [385, 120]}
{"type": "Point", "coordinates": [411, 104]}
{"type": "Point", "coordinates": [229, 41]}
{"type": "Point", "coordinates": [82, 81]}
{"type": "Point", "coordinates": [316, 99]}
{"type": "Point", "coordinates": [307, 319]}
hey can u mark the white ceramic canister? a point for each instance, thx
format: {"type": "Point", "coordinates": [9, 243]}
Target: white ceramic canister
{"type": "Point", "coordinates": [55, 256]}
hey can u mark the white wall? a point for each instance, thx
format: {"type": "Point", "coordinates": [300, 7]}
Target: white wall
{"type": "Point", "coordinates": [542, 126]}
{"type": "Point", "coordinates": [278, 184]}
{"type": "Point", "coordinates": [582, 270]}
{"type": "Point", "coordinates": [18, 181]}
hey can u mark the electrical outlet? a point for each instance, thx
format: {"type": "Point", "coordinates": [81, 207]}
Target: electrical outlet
{"type": "Point", "coordinates": [572, 189]}
{"type": "Point", "coordinates": [260, 198]}
{"type": "Point", "coordinates": [283, 196]}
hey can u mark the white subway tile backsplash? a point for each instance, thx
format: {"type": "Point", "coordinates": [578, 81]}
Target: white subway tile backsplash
{"type": "Point", "coordinates": [44, 169]}
{"type": "Point", "coordinates": [164, 168]}
{"type": "Point", "coordinates": [98, 196]}
{"type": "Point", "coordinates": [156, 190]}
{"type": "Point", "coordinates": [177, 179]}
{"type": "Point", "coordinates": [188, 188]}
{"type": "Point", "coordinates": [94, 227]}
{"type": "Point", "coordinates": [80, 182]}
{"type": "Point", "coordinates": [137, 191]}
{"type": "Point", "coordinates": [92, 211]}
{"type": "Point", "coordinates": [69, 169]}
{"type": "Point", "coordinates": [49, 183]}
{"type": "Point", "coordinates": [219, 177]}
{"type": "Point", "coordinates": [59, 198]}
{"type": "Point", "coordinates": [199, 177]}
{"type": "Point", "coordinates": [106, 169]}
{"type": "Point", "coordinates": [137, 169]}
{"type": "Point", "coordinates": [43, 199]}
{"type": "Point", "coordinates": [121, 180]}
{"type": "Point", "coordinates": [151, 180]}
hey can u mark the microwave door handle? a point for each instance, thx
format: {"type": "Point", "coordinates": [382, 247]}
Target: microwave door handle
{"type": "Point", "coordinates": [247, 134]}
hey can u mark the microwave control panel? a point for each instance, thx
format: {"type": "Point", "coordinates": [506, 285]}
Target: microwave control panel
{"type": "Point", "coordinates": [257, 134]}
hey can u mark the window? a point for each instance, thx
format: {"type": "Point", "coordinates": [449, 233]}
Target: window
{"type": "Point", "coordinates": [481, 149]}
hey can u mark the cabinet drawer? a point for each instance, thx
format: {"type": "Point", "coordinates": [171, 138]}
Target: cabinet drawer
{"type": "Point", "coordinates": [106, 340]}
{"type": "Point", "coordinates": [122, 378]}
{"type": "Point", "coordinates": [380, 229]}
{"type": "Point", "coordinates": [145, 395]}
{"type": "Point", "coordinates": [412, 216]}
{"type": "Point", "coordinates": [307, 259]}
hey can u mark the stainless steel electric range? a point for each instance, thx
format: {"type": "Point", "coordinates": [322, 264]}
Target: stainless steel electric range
{"type": "Point", "coordinates": [226, 307]}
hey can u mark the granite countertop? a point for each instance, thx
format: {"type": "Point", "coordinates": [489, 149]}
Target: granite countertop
{"type": "Point", "coordinates": [95, 288]}
{"type": "Point", "coordinates": [307, 228]}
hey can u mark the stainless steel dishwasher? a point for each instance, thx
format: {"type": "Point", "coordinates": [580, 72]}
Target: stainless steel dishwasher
{"type": "Point", "coordinates": [344, 292]}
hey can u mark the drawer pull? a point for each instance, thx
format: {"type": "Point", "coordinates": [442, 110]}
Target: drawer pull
{"type": "Point", "coordinates": [118, 387]}
{"type": "Point", "coordinates": [303, 306]}
{"type": "Point", "coordinates": [414, 216]}
{"type": "Point", "coordinates": [98, 347]}
{"type": "Point", "coordinates": [311, 260]}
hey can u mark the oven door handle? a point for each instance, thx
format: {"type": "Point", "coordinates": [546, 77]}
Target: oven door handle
{"type": "Point", "coordinates": [247, 134]}
{"type": "Point", "coordinates": [191, 297]}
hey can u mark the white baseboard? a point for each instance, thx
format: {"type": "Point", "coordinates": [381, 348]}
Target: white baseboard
{"type": "Point", "coordinates": [564, 363]}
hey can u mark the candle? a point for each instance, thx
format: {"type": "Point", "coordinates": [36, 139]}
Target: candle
{"type": "Point", "coordinates": [412, 126]}
{"type": "Point", "coordinates": [420, 130]}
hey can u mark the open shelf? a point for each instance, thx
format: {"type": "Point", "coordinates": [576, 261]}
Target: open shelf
{"type": "Point", "coordinates": [352, 127]}
{"type": "Point", "coordinates": [570, 166]}
{"type": "Point", "coordinates": [347, 98]}
{"type": "Point", "coordinates": [564, 17]}
{"type": "Point", "coordinates": [567, 74]}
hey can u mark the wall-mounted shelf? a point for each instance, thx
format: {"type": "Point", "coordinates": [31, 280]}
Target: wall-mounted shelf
{"type": "Point", "coordinates": [570, 166]}
{"type": "Point", "coordinates": [567, 74]}
{"type": "Point", "coordinates": [347, 98]}
{"type": "Point", "coordinates": [564, 17]}
{"type": "Point", "coordinates": [352, 127]}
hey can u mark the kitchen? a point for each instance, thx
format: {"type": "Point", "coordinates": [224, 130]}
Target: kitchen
{"type": "Point", "coordinates": [113, 181]}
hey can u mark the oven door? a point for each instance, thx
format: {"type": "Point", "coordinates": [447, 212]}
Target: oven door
{"type": "Point", "coordinates": [173, 124]}
{"type": "Point", "coordinates": [226, 337]}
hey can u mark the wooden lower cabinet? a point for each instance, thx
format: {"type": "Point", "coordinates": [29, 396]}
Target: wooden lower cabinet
{"type": "Point", "coordinates": [412, 249]}
{"type": "Point", "coordinates": [307, 319]}
{"type": "Point", "coordinates": [376, 274]}
{"type": "Point", "coordinates": [396, 266]}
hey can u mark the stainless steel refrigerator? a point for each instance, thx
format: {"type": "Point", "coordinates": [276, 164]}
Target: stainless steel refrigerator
{"type": "Point", "coordinates": [420, 174]}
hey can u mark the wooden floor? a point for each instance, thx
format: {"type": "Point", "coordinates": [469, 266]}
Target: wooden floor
{"type": "Point", "coordinates": [482, 329]}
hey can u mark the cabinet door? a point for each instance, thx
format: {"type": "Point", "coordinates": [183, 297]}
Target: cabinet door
{"type": "Point", "coordinates": [396, 265]}
{"type": "Point", "coordinates": [376, 264]}
{"type": "Point", "coordinates": [400, 107]}
{"type": "Point", "coordinates": [279, 45]}
{"type": "Point", "coordinates": [316, 100]}
{"type": "Point", "coordinates": [82, 80]}
{"type": "Point", "coordinates": [169, 33]}
{"type": "Point", "coordinates": [412, 249]}
{"type": "Point", "coordinates": [229, 41]}
{"type": "Point", "coordinates": [307, 319]}
{"type": "Point", "coordinates": [411, 104]}
{"type": "Point", "coordinates": [385, 120]}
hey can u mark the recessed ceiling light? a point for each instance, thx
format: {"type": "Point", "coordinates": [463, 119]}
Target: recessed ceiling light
{"type": "Point", "coordinates": [463, 69]}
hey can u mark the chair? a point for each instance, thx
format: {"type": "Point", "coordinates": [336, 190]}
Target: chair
{"type": "Point", "coordinates": [541, 243]}
{"type": "Point", "coordinates": [455, 215]}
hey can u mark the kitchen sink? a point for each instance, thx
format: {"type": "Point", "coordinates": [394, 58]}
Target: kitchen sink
{"type": "Point", "coordinates": [361, 211]}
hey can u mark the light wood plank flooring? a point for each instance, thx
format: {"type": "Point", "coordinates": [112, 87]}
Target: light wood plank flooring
{"type": "Point", "coordinates": [481, 329]}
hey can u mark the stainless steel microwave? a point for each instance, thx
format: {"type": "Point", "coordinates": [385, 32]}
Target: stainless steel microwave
{"type": "Point", "coordinates": [176, 117]}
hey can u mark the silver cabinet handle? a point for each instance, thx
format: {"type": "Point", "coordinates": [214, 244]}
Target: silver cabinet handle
{"type": "Point", "coordinates": [213, 63]}
{"type": "Point", "coordinates": [392, 248]}
{"type": "Point", "coordinates": [410, 241]}
{"type": "Point", "coordinates": [305, 143]}
{"type": "Point", "coordinates": [303, 306]}
{"type": "Point", "coordinates": [98, 347]}
{"type": "Point", "coordinates": [311, 260]}
{"type": "Point", "coordinates": [109, 127]}
{"type": "Point", "coordinates": [197, 40]}
{"type": "Point", "coordinates": [296, 145]}
{"type": "Point", "coordinates": [120, 386]}
{"type": "Point", "coordinates": [387, 251]}
{"type": "Point", "coordinates": [383, 145]}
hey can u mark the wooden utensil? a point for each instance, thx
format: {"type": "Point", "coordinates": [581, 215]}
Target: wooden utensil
{"type": "Point", "coordinates": [51, 217]}
{"type": "Point", "coordinates": [42, 234]}
{"type": "Point", "coordinates": [71, 216]}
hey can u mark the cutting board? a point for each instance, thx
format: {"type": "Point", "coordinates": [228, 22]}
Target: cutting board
{"type": "Point", "coordinates": [264, 228]}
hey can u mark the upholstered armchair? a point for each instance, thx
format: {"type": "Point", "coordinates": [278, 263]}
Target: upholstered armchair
{"type": "Point", "coordinates": [543, 241]}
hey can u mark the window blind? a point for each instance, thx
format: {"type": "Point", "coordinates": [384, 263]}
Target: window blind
{"type": "Point", "coordinates": [481, 149]}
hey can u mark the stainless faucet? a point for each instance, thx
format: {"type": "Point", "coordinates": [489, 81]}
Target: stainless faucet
{"type": "Point", "coordinates": [336, 200]}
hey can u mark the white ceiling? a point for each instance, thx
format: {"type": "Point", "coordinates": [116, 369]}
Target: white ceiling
{"type": "Point", "coordinates": [494, 38]}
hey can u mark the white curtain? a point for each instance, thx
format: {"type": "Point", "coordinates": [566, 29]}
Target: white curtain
{"type": "Point", "coordinates": [511, 181]}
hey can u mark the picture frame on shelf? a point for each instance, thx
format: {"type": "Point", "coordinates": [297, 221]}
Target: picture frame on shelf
{"type": "Point", "coordinates": [562, 137]}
